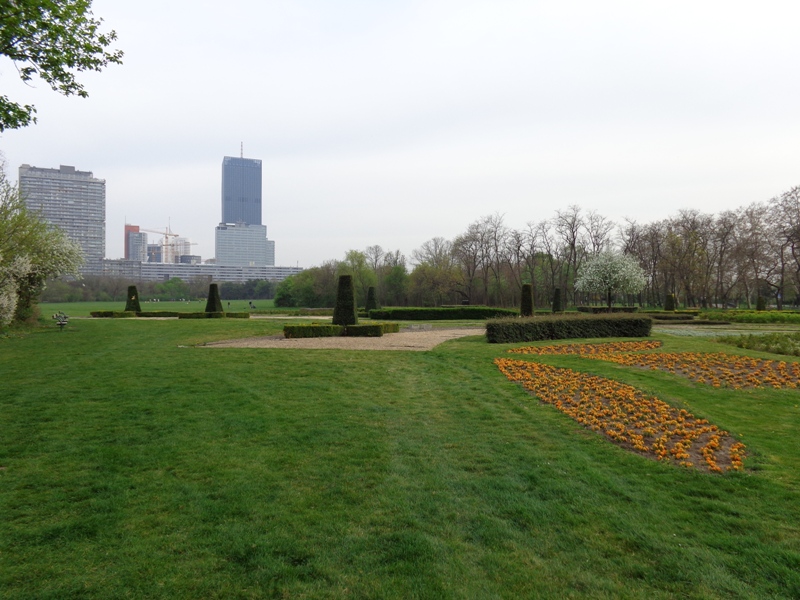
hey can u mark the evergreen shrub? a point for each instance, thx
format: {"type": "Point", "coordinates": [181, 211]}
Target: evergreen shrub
{"type": "Point", "coordinates": [507, 331]}
{"type": "Point", "coordinates": [157, 313]}
{"type": "Point", "coordinates": [344, 312]}
{"type": "Point", "coordinates": [214, 303]}
{"type": "Point", "coordinates": [202, 315]}
{"type": "Point", "coordinates": [669, 302]}
{"type": "Point", "coordinates": [132, 300]}
{"type": "Point", "coordinates": [371, 330]}
{"type": "Point", "coordinates": [596, 310]}
{"type": "Point", "coordinates": [312, 330]}
{"type": "Point", "coordinates": [761, 304]}
{"type": "Point", "coordinates": [372, 303]}
{"type": "Point", "coordinates": [526, 304]}
{"type": "Point", "coordinates": [557, 308]}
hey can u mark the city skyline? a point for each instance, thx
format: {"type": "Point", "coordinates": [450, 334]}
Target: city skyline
{"type": "Point", "coordinates": [397, 122]}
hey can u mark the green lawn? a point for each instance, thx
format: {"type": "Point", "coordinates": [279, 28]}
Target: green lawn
{"type": "Point", "coordinates": [83, 309]}
{"type": "Point", "coordinates": [135, 464]}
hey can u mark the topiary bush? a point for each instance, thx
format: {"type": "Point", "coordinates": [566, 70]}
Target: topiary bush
{"type": "Point", "coordinates": [312, 330]}
{"type": "Point", "coordinates": [761, 303]}
{"type": "Point", "coordinates": [526, 304]}
{"type": "Point", "coordinates": [557, 307]}
{"type": "Point", "coordinates": [345, 312]}
{"type": "Point", "coordinates": [506, 331]}
{"type": "Point", "coordinates": [669, 303]}
{"type": "Point", "coordinates": [372, 303]}
{"type": "Point", "coordinates": [371, 330]}
{"type": "Point", "coordinates": [213, 304]}
{"type": "Point", "coordinates": [132, 300]}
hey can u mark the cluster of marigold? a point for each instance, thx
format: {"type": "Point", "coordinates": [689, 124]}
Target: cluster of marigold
{"type": "Point", "coordinates": [716, 369]}
{"type": "Point", "coordinates": [623, 413]}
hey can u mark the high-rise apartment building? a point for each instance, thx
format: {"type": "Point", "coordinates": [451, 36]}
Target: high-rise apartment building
{"type": "Point", "coordinates": [241, 190]}
{"type": "Point", "coordinates": [240, 245]}
{"type": "Point", "coordinates": [74, 201]}
{"type": "Point", "coordinates": [135, 243]}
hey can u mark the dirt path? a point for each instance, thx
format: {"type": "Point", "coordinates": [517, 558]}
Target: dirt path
{"type": "Point", "coordinates": [405, 340]}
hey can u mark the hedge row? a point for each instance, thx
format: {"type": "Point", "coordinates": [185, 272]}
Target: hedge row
{"type": "Point", "coordinates": [751, 316]}
{"type": "Point", "coordinates": [113, 314]}
{"type": "Point", "coordinates": [604, 309]}
{"type": "Point", "coordinates": [506, 331]}
{"type": "Point", "coordinates": [325, 330]}
{"type": "Point", "coordinates": [214, 315]}
{"type": "Point", "coordinates": [441, 313]}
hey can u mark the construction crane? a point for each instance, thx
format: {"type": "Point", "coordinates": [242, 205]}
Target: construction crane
{"type": "Point", "coordinates": [167, 249]}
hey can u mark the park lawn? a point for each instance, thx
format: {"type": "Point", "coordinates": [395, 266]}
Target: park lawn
{"type": "Point", "coordinates": [136, 464]}
{"type": "Point", "coordinates": [84, 309]}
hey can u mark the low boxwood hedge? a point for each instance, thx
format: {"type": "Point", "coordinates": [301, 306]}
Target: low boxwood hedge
{"type": "Point", "coordinates": [113, 314]}
{"type": "Point", "coordinates": [202, 315]}
{"type": "Point", "coordinates": [507, 331]}
{"type": "Point", "coordinates": [371, 330]}
{"type": "Point", "coordinates": [441, 313]}
{"type": "Point", "coordinates": [157, 313]}
{"type": "Point", "coordinates": [312, 330]}
{"type": "Point", "coordinates": [595, 310]}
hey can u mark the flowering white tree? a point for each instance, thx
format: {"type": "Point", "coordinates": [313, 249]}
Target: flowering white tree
{"type": "Point", "coordinates": [609, 272]}
{"type": "Point", "coordinates": [30, 253]}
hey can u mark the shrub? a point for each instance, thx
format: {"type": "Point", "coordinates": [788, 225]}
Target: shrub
{"type": "Point", "coordinates": [372, 303]}
{"type": "Point", "coordinates": [761, 303]}
{"type": "Point", "coordinates": [344, 312]}
{"type": "Point", "coordinates": [157, 313]}
{"type": "Point", "coordinates": [371, 330]}
{"type": "Point", "coordinates": [505, 331]}
{"type": "Point", "coordinates": [604, 309]}
{"type": "Point", "coordinates": [202, 315]}
{"type": "Point", "coordinates": [557, 308]}
{"type": "Point", "coordinates": [669, 303]}
{"type": "Point", "coordinates": [526, 304]}
{"type": "Point", "coordinates": [441, 313]}
{"type": "Point", "coordinates": [390, 327]}
{"type": "Point", "coordinates": [214, 303]}
{"type": "Point", "coordinates": [132, 300]}
{"type": "Point", "coordinates": [312, 330]}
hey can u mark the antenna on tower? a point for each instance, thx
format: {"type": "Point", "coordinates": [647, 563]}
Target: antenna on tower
{"type": "Point", "coordinates": [241, 149]}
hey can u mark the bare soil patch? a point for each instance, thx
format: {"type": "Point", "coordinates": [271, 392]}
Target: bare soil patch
{"type": "Point", "coordinates": [405, 340]}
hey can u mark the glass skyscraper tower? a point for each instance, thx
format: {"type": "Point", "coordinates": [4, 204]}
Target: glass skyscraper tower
{"type": "Point", "coordinates": [241, 190]}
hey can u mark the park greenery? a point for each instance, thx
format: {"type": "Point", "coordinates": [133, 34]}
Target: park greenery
{"type": "Point", "coordinates": [609, 273]}
{"type": "Point", "coordinates": [52, 40]}
{"type": "Point", "coordinates": [138, 462]}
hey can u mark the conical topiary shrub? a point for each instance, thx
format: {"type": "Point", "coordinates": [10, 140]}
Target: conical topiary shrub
{"type": "Point", "coordinates": [214, 304]}
{"type": "Point", "coordinates": [557, 300]}
{"type": "Point", "coordinates": [372, 303]}
{"type": "Point", "coordinates": [761, 303]}
{"type": "Point", "coordinates": [669, 303]}
{"type": "Point", "coordinates": [344, 312]}
{"type": "Point", "coordinates": [132, 301]}
{"type": "Point", "coordinates": [526, 305]}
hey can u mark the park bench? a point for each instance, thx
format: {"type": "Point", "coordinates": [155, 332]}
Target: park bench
{"type": "Point", "coordinates": [61, 320]}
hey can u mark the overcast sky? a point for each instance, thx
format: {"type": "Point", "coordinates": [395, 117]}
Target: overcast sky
{"type": "Point", "coordinates": [392, 122]}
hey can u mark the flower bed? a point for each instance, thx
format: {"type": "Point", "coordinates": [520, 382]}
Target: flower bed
{"type": "Point", "coordinates": [628, 417]}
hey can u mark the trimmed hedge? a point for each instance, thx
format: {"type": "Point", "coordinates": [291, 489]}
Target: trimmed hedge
{"type": "Point", "coordinates": [237, 315]}
{"type": "Point", "coordinates": [113, 314]}
{"type": "Point", "coordinates": [751, 316]}
{"type": "Point", "coordinates": [508, 331]}
{"type": "Point", "coordinates": [371, 330]}
{"type": "Point", "coordinates": [526, 303]}
{"type": "Point", "coordinates": [325, 330]}
{"type": "Point", "coordinates": [441, 313]}
{"type": "Point", "coordinates": [345, 311]}
{"type": "Point", "coordinates": [132, 300]}
{"type": "Point", "coordinates": [202, 315]}
{"type": "Point", "coordinates": [596, 310]}
{"type": "Point", "coordinates": [312, 330]}
{"type": "Point", "coordinates": [157, 313]}
{"type": "Point", "coordinates": [213, 303]}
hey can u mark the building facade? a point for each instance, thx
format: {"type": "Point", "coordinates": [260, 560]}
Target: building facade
{"type": "Point", "coordinates": [241, 245]}
{"type": "Point", "coordinates": [72, 200]}
{"type": "Point", "coordinates": [241, 190]}
{"type": "Point", "coordinates": [136, 271]}
{"type": "Point", "coordinates": [135, 243]}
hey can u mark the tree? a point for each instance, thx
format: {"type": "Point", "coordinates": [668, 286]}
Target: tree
{"type": "Point", "coordinates": [31, 252]}
{"type": "Point", "coordinates": [609, 272]}
{"type": "Point", "coordinates": [55, 40]}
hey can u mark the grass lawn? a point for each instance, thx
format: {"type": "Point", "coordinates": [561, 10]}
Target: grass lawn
{"type": "Point", "coordinates": [83, 309]}
{"type": "Point", "coordinates": [136, 465]}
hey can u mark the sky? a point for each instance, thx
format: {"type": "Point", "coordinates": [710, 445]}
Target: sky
{"type": "Point", "coordinates": [393, 122]}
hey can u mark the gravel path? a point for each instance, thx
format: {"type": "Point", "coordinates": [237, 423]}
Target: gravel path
{"type": "Point", "coordinates": [405, 340]}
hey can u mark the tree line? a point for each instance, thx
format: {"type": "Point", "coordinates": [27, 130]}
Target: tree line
{"type": "Point", "coordinates": [729, 259]}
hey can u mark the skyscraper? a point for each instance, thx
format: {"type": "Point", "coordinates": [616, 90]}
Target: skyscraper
{"type": "Point", "coordinates": [241, 190]}
{"type": "Point", "coordinates": [135, 243]}
{"type": "Point", "coordinates": [72, 200]}
{"type": "Point", "coordinates": [241, 238]}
